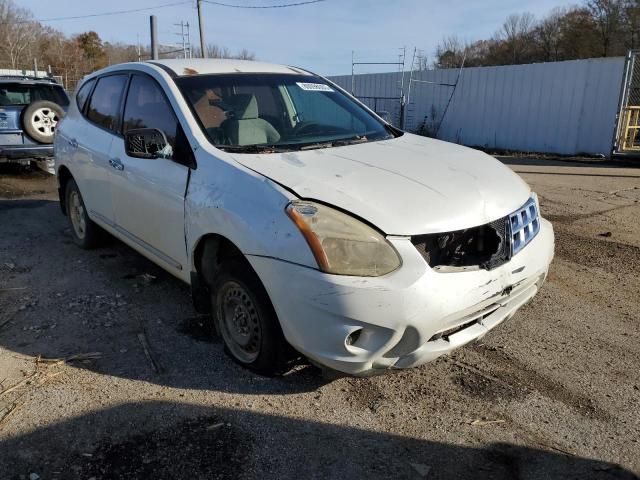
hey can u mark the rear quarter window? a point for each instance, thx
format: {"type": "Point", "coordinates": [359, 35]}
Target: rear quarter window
{"type": "Point", "coordinates": [83, 93]}
{"type": "Point", "coordinates": [104, 106]}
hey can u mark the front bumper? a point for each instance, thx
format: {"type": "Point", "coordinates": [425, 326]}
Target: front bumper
{"type": "Point", "coordinates": [360, 325]}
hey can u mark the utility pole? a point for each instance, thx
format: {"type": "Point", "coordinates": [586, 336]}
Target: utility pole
{"type": "Point", "coordinates": [185, 45]}
{"type": "Point", "coordinates": [154, 37]}
{"type": "Point", "coordinates": [201, 27]}
{"type": "Point", "coordinates": [189, 41]}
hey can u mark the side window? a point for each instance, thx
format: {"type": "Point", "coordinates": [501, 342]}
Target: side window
{"type": "Point", "coordinates": [148, 107]}
{"type": "Point", "coordinates": [104, 106]}
{"type": "Point", "coordinates": [83, 93]}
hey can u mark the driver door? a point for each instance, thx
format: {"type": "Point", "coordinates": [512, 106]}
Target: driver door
{"type": "Point", "coordinates": [149, 193]}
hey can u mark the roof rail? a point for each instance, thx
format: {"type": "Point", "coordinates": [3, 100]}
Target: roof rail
{"type": "Point", "coordinates": [27, 77]}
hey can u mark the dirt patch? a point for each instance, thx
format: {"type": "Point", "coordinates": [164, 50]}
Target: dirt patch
{"type": "Point", "coordinates": [553, 393]}
{"type": "Point", "coordinates": [608, 255]}
{"type": "Point", "coordinates": [17, 181]}
{"type": "Point", "coordinates": [198, 448]}
{"type": "Point", "coordinates": [523, 380]}
{"type": "Point", "coordinates": [365, 394]}
{"type": "Point", "coordinates": [475, 383]}
{"type": "Point", "coordinates": [199, 328]}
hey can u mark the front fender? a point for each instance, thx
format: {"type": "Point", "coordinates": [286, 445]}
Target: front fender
{"type": "Point", "coordinates": [246, 208]}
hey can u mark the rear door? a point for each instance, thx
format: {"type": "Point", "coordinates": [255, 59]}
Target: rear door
{"type": "Point", "coordinates": [103, 126]}
{"type": "Point", "coordinates": [149, 193]}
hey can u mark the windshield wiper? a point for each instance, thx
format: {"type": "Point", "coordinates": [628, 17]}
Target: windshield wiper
{"type": "Point", "coordinates": [293, 146]}
{"type": "Point", "coordinates": [250, 148]}
{"type": "Point", "coordinates": [335, 143]}
{"type": "Point", "coordinates": [313, 146]}
{"type": "Point", "coordinates": [351, 140]}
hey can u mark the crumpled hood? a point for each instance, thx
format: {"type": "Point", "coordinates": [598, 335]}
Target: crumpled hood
{"type": "Point", "coordinates": [410, 185]}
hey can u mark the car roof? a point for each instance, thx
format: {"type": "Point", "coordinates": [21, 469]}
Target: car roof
{"type": "Point", "coordinates": [199, 66]}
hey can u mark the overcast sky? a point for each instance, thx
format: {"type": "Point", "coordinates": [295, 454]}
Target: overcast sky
{"type": "Point", "coordinates": [319, 37]}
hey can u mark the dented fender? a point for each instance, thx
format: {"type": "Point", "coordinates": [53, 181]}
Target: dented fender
{"type": "Point", "coordinates": [232, 201]}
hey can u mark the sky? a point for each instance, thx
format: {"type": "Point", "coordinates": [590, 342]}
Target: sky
{"type": "Point", "coordinates": [319, 37]}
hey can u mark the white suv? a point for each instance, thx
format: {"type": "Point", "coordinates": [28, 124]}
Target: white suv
{"type": "Point", "coordinates": [299, 217]}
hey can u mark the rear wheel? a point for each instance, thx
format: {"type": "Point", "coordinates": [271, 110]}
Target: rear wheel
{"type": "Point", "coordinates": [246, 321]}
{"type": "Point", "coordinates": [85, 232]}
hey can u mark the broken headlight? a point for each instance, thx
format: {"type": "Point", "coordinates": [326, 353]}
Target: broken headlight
{"type": "Point", "coordinates": [341, 244]}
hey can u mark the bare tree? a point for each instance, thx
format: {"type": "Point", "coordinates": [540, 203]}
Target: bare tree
{"type": "Point", "coordinates": [516, 35]}
{"type": "Point", "coordinates": [245, 54]}
{"type": "Point", "coordinates": [217, 51]}
{"type": "Point", "coordinates": [631, 23]}
{"type": "Point", "coordinates": [18, 33]}
{"type": "Point", "coordinates": [449, 53]}
{"type": "Point", "coordinates": [608, 17]}
{"type": "Point", "coordinates": [548, 34]}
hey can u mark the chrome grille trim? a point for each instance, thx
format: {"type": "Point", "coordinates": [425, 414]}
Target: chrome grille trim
{"type": "Point", "coordinates": [525, 225]}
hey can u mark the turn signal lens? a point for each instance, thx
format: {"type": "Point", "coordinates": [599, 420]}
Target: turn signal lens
{"type": "Point", "coordinates": [341, 244]}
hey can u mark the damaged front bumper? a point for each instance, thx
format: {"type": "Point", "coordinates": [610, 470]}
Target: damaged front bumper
{"type": "Point", "coordinates": [361, 326]}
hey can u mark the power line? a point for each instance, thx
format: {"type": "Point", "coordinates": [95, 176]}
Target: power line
{"type": "Point", "coordinates": [104, 14]}
{"type": "Point", "coordinates": [284, 5]}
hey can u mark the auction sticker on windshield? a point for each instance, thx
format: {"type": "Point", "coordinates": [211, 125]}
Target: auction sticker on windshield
{"type": "Point", "coordinates": [314, 87]}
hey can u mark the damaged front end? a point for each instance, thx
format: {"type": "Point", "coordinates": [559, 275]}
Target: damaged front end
{"type": "Point", "coordinates": [483, 247]}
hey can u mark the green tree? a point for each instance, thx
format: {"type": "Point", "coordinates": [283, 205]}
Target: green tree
{"type": "Point", "coordinates": [92, 50]}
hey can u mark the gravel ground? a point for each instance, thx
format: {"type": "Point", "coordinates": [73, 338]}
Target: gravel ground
{"type": "Point", "coordinates": [552, 393]}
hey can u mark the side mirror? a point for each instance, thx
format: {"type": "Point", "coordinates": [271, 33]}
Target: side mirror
{"type": "Point", "coordinates": [147, 143]}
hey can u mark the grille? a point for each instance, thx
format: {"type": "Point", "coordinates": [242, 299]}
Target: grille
{"type": "Point", "coordinates": [525, 225]}
{"type": "Point", "coordinates": [487, 246]}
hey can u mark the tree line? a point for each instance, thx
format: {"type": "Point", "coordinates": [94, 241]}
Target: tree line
{"type": "Point", "coordinates": [594, 28]}
{"type": "Point", "coordinates": [23, 40]}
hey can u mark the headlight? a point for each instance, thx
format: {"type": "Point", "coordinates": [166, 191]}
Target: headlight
{"type": "Point", "coordinates": [340, 243]}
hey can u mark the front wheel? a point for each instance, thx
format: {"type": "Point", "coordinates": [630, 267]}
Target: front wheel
{"type": "Point", "coordinates": [246, 321]}
{"type": "Point", "coordinates": [84, 231]}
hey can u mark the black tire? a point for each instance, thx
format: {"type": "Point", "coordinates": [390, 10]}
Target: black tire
{"type": "Point", "coordinates": [40, 119]}
{"type": "Point", "coordinates": [267, 354]}
{"type": "Point", "coordinates": [86, 234]}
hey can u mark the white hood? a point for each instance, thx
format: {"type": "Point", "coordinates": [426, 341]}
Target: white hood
{"type": "Point", "coordinates": [410, 185]}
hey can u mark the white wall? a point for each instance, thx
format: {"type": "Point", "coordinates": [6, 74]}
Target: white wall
{"type": "Point", "coordinates": [562, 107]}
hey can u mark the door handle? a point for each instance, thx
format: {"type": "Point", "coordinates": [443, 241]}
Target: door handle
{"type": "Point", "coordinates": [116, 163]}
{"type": "Point", "coordinates": [73, 142]}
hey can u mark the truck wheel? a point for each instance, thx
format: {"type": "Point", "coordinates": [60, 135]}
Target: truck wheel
{"type": "Point", "coordinates": [40, 120]}
{"type": "Point", "coordinates": [86, 234]}
{"type": "Point", "coordinates": [246, 321]}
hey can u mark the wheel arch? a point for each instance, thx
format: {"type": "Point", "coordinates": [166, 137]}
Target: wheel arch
{"type": "Point", "coordinates": [208, 254]}
{"type": "Point", "coordinates": [64, 175]}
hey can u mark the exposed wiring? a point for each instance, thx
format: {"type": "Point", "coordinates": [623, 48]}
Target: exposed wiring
{"type": "Point", "coordinates": [283, 5]}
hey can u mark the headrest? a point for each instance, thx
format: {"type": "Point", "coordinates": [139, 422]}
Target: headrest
{"type": "Point", "coordinates": [243, 105]}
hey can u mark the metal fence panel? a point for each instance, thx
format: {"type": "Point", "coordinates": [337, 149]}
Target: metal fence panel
{"type": "Point", "coordinates": [560, 107]}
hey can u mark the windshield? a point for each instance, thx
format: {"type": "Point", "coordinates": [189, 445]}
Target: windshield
{"type": "Point", "coordinates": [24, 94]}
{"type": "Point", "coordinates": [277, 112]}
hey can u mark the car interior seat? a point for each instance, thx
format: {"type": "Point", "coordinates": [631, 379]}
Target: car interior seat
{"type": "Point", "coordinates": [244, 127]}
